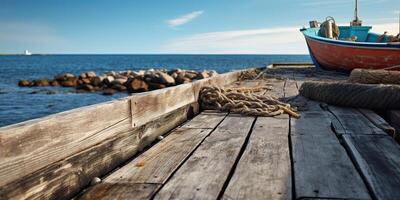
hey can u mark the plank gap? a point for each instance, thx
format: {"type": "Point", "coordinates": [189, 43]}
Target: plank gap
{"type": "Point", "coordinates": [232, 171]}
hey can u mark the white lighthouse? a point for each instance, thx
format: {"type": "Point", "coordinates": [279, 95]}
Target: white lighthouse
{"type": "Point", "coordinates": [27, 53]}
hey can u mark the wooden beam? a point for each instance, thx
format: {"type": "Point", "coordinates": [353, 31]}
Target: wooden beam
{"type": "Point", "coordinates": [378, 158]}
{"type": "Point", "coordinates": [66, 177]}
{"type": "Point", "coordinates": [32, 145]}
{"type": "Point", "coordinates": [350, 121]}
{"type": "Point", "coordinates": [321, 164]}
{"type": "Point", "coordinates": [264, 170]}
{"type": "Point", "coordinates": [203, 175]}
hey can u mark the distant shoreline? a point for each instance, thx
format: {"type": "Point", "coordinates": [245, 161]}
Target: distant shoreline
{"type": "Point", "coordinates": [23, 55]}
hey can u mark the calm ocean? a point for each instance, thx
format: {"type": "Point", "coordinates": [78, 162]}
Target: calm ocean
{"type": "Point", "coordinates": [20, 104]}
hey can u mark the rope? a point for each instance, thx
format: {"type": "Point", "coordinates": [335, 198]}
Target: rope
{"type": "Point", "coordinates": [353, 95]}
{"type": "Point", "coordinates": [243, 101]}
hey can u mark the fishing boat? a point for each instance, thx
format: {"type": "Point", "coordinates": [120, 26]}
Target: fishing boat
{"type": "Point", "coordinates": [345, 48]}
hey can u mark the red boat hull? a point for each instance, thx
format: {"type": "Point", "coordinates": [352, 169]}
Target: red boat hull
{"type": "Point", "coordinates": [332, 56]}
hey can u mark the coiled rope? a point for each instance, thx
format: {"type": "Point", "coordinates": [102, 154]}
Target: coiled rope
{"type": "Point", "coordinates": [244, 101]}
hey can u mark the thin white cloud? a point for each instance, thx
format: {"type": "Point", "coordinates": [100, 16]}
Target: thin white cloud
{"type": "Point", "coordinates": [286, 40]}
{"type": "Point", "coordinates": [280, 40]}
{"type": "Point", "coordinates": [184, 18]}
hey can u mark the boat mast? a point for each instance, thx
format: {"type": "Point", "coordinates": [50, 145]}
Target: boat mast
{"type": "Point", "coordinates": [356, 21]}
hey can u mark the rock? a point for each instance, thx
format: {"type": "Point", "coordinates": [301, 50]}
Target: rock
{"type": "Point", "coordinates": [202, 75]}
{"type": "Point", "coordinates": [109, 91]}
{"type": "Point", "coordinates": [156, 86]}
{"type": "Point", "coordinates": [119, 81]}
{"type": "Point", "coordinates": [138, 73]}
{"type": "Point", "coordinates": [60, 78]}
{"type": "Point", "coordinates": [186, 80]}
{"type": "Point", "coordinates": [87, 87]}
{"type": "Point", "coordinates": [41, 82]}
{"type": "Point", "coordinates": [111, 73]}
{"type": "Point", "coordinates": [137, 85]}
{"type": "Point", "coordinates": [69, 75]}
{"type": "Point", "coordinates": [86, 81]}
{"type": "Point", "coordinates": [54, 83]}
{"type": "Point", "coordinates": [96, 81]}
{"type": "Point", "coordinates": [69, 83]}
{"type": "Point", "coordinates": [90, 74]}
{"type": "Point", "coordinates": [119, 87]}
{"type": "Point", "coordinates": [191, 75]}
{"type": "Point", "coordinates": [166, 79]}
{"type": "Point", "coordinates": [82, 75]}
{"type": "Point", "coordinates": [108, 80]}
{"type": "Point", "coordinates": [24, 83]}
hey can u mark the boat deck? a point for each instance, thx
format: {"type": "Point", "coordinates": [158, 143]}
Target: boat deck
{"type": "Point", "coordinates": [329, 153]}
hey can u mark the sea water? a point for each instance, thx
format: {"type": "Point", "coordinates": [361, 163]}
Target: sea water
{"type": "Point", "coordinates": [18, 104]}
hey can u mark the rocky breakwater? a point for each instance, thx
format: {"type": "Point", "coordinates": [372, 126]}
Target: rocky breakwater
{"type": "Point", "coordinates": [123, 81]}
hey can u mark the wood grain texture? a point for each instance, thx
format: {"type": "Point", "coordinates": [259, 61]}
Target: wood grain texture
{"type": "Point", "coordinates": [158, 163]}
{"type": "Point", "coordinates": [29, 146]}
{"type": "Point", "coordinates": [264, 170]}
{"type": "Point", "coordinates": [203, 175]}
{"type": "Point", "coordinates": [121, 191]}
{"type": "Point", "coordinates": [290, 88]}
{"type": "Point", "coordinates": [205, 120]}
{"type": "Point", "coordinates": [149, 105]}
{"type": "Point", "coordinates": [322, 167]}
{"type": "Point", "coordinates": [378, 158]}
{"type": "Point", "coordinates": [378, 121]}
{"type": "Point", "coordinates": [350, 121]}
{"type": "Point", "coordinates": [65, 178]}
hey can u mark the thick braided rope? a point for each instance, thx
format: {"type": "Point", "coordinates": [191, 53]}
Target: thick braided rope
{"type": "Point", "coordinates": [371, 96]}
{"type": "Point", "coordinates": [243, 101]}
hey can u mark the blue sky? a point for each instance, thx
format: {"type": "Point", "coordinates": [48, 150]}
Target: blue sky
{"type": "Point", "coordinates": [175, 26]}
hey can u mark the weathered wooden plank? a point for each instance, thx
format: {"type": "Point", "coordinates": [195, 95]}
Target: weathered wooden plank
{"type": "Point", "coordinates": [122, 191]}
{"type": "Point", "coordinates": [351, 121]}
{"type": "Point", "coordinates": [65, 178]}
{"type": "Point", "coordinates": [29, 146]}
{"type": "Point", "coordinates": [203, 175]}
{"type": "Point", "coordinates": [150, 105]}
{"type": "Point", "coordinates": [321, 164]}
{"type": "Point", "coordinates": [378, 121]}
{"type": "Point", "coordinates": [264, 170]}
{"type": "Point", "coordinates": [205, 120]}
{"type": "Point", "coordinates": [378, 158]}
{"type": "Point", "coordinates": [158, 163]}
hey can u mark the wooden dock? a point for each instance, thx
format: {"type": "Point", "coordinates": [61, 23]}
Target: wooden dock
{"type": "Point", "coordinates": [329, 153]}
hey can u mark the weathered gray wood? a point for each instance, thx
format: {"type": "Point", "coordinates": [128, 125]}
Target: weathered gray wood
{"type": "Point", "coordinates": [205, 120]}
{"type": "Point", "coordinates": [351, 121]}
{"type": "Point", "coordinates": [378, 121]}
{"type": "Point", "coordinates": [158, 163]}
{"type": "Point", "coordinates": [321, 165]}
{"type": "Point", "coordinates": [264, 170]}
{"type": "Point", "coordinates": [378, 158]}
{"type": "Point", "coordinates": [29, 146]}
{"type": "Point", "coordinates": [66, 177]}
{"type": "Point", "coordinates": [147, 106]}
{"type": "Point", "coordinates": [203, 175]}
{"type": "Point", "coordinates": [122, 191]}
